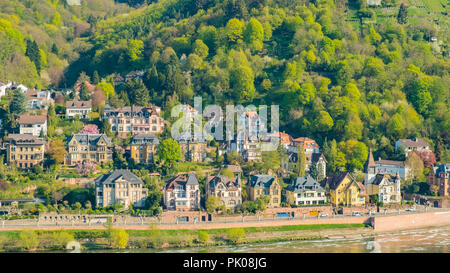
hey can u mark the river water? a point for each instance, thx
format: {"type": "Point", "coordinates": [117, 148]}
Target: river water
{"type": "Point", "coordinates": [431, 240]}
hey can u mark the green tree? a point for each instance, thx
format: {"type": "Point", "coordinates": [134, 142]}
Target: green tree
{"type": "Point", "coordinates": [234, 29]}
{"type": "Point", "coordinates": [213, 203]}
{"type": "Point", "coordinates": [254, 34]}
{"type": "Point", "coordinates": [203, 236]}
{"type": "Point", "coordinates": [135, 51]}
{"type": "Point", "coordinates": [95, 78]}
{"type": "Point", "coordinates": [301, 164]}
{"type": "Point", "coordinates": [169, 152]}
{"type": "Point", "coordinates": [18, 103]}
{"type": "Point", "coordinates": [402, 17]}
{"type": "Point", "coordinates": [242, 81]}
{"type": "Point", "coordinates": [85, 94]}
{"type": "Point", "coordinates": [200, 49]}
{"type": "Point", "coordinates": [32, 52]}
{"type": "Point", "coordinates": [137, 92]}
{"type": "Point", "coordinates": [57, 151]}
{"type": "Point", "coordinates": [107, 88]}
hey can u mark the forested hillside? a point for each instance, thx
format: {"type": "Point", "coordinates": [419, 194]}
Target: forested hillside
{"type": "Point", "coordinates": [38, 39]}
{"type": "Point", "coordinates": [343, 73]}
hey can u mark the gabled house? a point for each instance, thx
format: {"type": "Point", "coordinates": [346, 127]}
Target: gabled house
{"type": "Point", "coordinates": [120, 187]}
{"type": "Point", "coordinates": [88, 147]}
{"type": "Point", "coordinates": [316, 159]}
{"type": "Point", "coordinates": [386, 186]}
{"type": "Point", "coordinates": [305, 191]}
{"type": "Point", "coordinates": [193, 149]}
{"type": "Point", "coordinates": [227, 189]}
{"type": "Point", "coordinates": [182, 193]}
{"type": "Point", "coordinates": [33, 125]}
{"type": "Point", "coordinates": [78, 108]}
{"type": "Point", "coordinates": [393, 167]}
{"type": "Point", "coordinates": [409, 145]}
{"type": "Point", "coordinates": [344, 190]}
{"type": "Point", "coordinates": [135, 120]}
{"type": "Point", "coordinates": [265, 185]}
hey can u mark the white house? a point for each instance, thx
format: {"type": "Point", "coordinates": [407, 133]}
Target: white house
{"type": "Point", "coordinates": [3, 87]}
{"type": "Point", "coordinates": [305, 191]}
{"type": "Point", "coordinates": [33, 125]}
{"type": "Point", "coordinates": [80, 108]}
{"type": "Point", "coordinates": [38, 99]}
{"type": "Point", "coordinates": [393, 167]}
{"type": "Point", "coordinates": [410, 145]}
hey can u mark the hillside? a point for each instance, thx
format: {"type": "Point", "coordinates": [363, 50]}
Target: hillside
{"type": "Point", "coordinates": [59, 29]}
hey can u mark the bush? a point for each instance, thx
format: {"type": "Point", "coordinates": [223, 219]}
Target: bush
{"type": "Point", "coordinates": [203, 236]}
{"type": "Point", "coordinates": [28, 239]}
{"type": "Point", "coordinates": [235, 235]}
{"type": "Point", "coordinates": [119, 238]}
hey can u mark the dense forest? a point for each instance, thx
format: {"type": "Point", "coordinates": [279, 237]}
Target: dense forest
{"type": "Point", "coordinates": [343, 73]}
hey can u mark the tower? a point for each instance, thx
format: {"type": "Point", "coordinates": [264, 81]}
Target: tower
{"type": "Point", "coordinates": [369, 169]}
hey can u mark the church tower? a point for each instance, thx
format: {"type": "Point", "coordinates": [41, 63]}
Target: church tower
{"type": "Point", "coordinates": [369, 169]}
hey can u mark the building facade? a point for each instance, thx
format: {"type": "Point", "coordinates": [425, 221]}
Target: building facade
{"type": "Point", "coordinates": [120, 187]}
{"type": "Point", "coordinates": [305, 191]}
{"type": "Point", "coordinates": [344, 190]}
{"type": "Point", "coordinates": [182, 193]}
{"type": "Point", "coordinates": [78, 108]}
{"type": "Point", "coordinates": [88, 147]}
{"type": "Point", "coordinates": [25, 150]}
{"type": "Point", "coordinates": [193, 149]}
{"type": "Point", "coordinates": [393, 167]}
{"type": "Point", "coordinates": [440, 176]}
{"type": "Point", "coordinates": [135, 120]}
{"type": "Point", "coordinates": [229, 190]}
{"type": "Point", "coordinates": [33, 125]}
{"type": "Point", "coordinates": [265, 185]}
{"type": "Point", "coordinates": [143, 147]}
{"type": "Point", "coordinates": [409, 145]}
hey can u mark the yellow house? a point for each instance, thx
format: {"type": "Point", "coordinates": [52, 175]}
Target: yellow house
{"type": "Point", "coordinates": [344, 190]}
{"type": "Point", "coordinates": [265, 185]}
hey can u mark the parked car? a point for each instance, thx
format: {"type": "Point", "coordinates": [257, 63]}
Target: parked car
{"type": "Point", "coordinates": [356, 213]}
{"type": "Point", "coordinates": [371, 212]}
{"type": "Point", "coordinates": [411, 209]}
{"type": "Point", "coordinates": [323, 215]}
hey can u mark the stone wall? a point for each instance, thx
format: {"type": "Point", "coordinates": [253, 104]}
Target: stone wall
{"type": "Point", "coordinates": [413, 220]}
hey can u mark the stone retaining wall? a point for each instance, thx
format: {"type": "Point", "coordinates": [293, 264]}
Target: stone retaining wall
{"type": "Point", "coordinates": [413, 220]}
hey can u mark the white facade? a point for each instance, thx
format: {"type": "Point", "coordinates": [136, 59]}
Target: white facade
{"type": "Point", "coordinates": [34, 129]}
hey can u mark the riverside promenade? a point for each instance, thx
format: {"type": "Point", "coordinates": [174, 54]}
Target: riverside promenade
{"type": "Point", "coordinates": [380, 222]}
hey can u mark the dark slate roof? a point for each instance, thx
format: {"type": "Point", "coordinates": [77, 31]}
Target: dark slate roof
{"type": "Point", "coordinates": [261, 181]}
{"type": "Point", "coordinates": [417, 142]}
{"type": "Point", "coordinates": [230, 183]}
{"type": "Point", "coordinates": [145, 139]}
{"type": "Point", "coordinates": [302, 184]}
{"type": "Point", "coordinates": [91, 139]}
{"type": "Point", "coordinates": [336, 180]}
{"type": "Point", "coordinates": [370, 162]}
{"type": "Point", "coordinates": [113, 176]}
{"type": "Point", "coordinates": [192, 180]}
{"type": "Point", "coordinates": [316, 156]}
{"type": "Point", "coordinates": [379, 177]}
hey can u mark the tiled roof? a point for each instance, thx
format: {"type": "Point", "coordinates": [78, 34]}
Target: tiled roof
{"type": "Point", "coordinates": [230, 183]}
{"type": "Point", "coordinates": [414, 142]}
{"type": "Point", "coordinates": [181, 180]}
{"type": "Point", "coordinates": [25, 139]}
{"type": "Point", "coordinates": [390, 162]}
{"type": "Point", "coordinates": [380, 176]}
{"type": "Point", "coordinates": [29, 119]}
{"type": "Point", "coordinates": [335, 180]}
{"type": "Point", "coordinates": [78, 104]}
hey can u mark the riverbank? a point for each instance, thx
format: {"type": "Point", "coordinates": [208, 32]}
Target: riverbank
{"type": "Point", "coordinates": [156, 238]}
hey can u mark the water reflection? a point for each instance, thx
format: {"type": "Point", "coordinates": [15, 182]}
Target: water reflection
{"type": "Point", "coordinates": [435, 240]}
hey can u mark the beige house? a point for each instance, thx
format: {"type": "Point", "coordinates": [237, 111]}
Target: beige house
{"type": "Point", "coordinates": [265, 185]}
{"type": "Point", "coordinates": [229, 190]}
{"type": "Point", "coordinates": [135, 120]}
{"type": "Point", "coordinates": [25, 150]}
{"type": "Point", "coordinates": [305, 191]}
{"type": "Point", "coordinates": [33, 125]}
{"type": "Point", "coordinates": [120, 187]}
{"type": "Point", "coordinates": [88, 147]}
